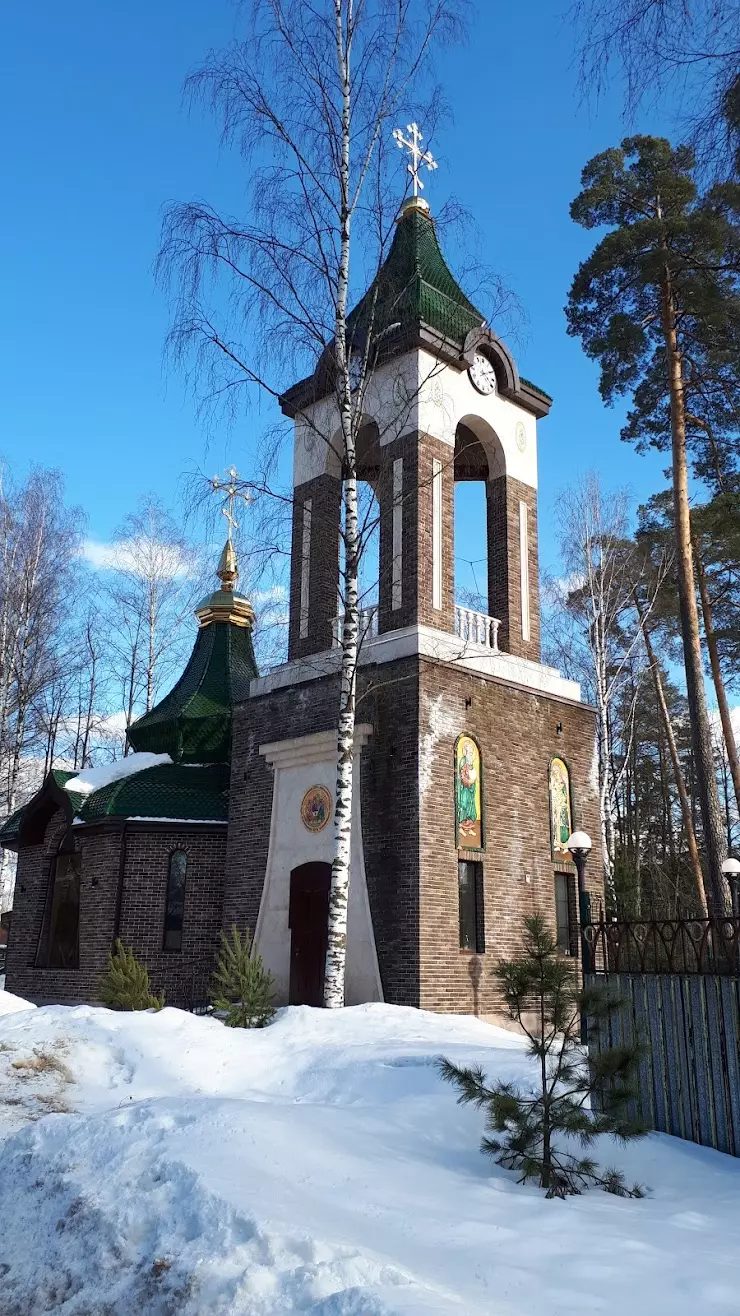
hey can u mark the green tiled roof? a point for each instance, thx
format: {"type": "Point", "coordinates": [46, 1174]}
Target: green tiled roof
{"type": "Point", "coordinates": [536, 387]}
{"type": "Point", "coordinates": [11, 827]}
{"type": "Point", "coordinates": [414, 287]}
{"type": "Point", "coordinates": [193, 722]}
{"type": "Point", "coordinates": [168, 790]}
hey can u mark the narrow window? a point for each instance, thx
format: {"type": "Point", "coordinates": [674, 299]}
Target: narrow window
{"type": "Point", "coordinates": [63, 951]}
{"type": "Point", "coordinates": [175, 906]}
{"type": "Point", "coordinates": [565, 920]}
{"type": "Point", "coordinates": [472, 926]}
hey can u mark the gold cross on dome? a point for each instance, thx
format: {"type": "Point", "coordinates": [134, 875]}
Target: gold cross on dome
{"type": "Point", "coordinates": [232, 491]}
{"type": "Point", "coordinates": [418, 157]}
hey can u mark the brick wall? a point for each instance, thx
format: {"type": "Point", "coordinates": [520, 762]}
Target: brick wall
{"type": "Point", "coordinates": [325, 494]}
{"type": "Point", "coordinates": [418, 452]}
{"type": "Point", "coordinates": [517, 731]}
{"type": "Point", "coordinates": [183, 975]}
{"type": "Point", "coordinates": [98, 890]}
{"type": "Point", "coordinates": [417, 709]}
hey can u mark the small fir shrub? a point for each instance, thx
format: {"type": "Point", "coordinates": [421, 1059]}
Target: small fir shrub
{"type": "Point", "coordinates": [242, 987]}
{"type": "Point", "coordinates": [532, 1132]}
{"type": "Point", "coordinates": [126, 983]}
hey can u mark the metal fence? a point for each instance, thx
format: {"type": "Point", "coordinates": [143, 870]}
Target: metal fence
{"type": "Point", "coordinates": [663, 945]}
{"type": "Point", "coordinates": [679, 988]}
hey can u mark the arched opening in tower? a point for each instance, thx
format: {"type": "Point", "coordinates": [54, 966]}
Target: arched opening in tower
{"type": "Point", "coordinates": [471, 531]}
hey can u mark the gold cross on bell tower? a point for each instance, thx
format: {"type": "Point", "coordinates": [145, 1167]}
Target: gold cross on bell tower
{"type": "Point", "coordinates": [418, 156]}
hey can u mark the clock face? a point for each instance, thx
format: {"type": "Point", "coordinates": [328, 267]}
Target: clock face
{"type": "Point", "coordinates": [482, 374]}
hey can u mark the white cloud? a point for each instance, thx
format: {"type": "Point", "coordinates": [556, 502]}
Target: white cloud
{"type": "Point", "coordinates": [275, 594]}
{"type": "Point", "coordinates": [138, 556]}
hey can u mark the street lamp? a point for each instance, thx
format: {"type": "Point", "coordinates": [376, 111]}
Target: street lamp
{"type": "Point", "coordinates": [579, 844]}
{"type": "Point", "coordinates": [731, 870]}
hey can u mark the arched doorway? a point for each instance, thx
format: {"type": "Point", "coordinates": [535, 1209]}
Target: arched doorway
{"type": "Point", "coordinates": [308, 913]}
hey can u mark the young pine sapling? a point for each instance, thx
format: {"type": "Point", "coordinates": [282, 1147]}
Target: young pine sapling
{"type": "Point", "coordinates": [544, 1133]}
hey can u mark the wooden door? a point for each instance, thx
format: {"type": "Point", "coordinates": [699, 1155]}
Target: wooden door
{"type": "Point", "coordinates": [307, 918]}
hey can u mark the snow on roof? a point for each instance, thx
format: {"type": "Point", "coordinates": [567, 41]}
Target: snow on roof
{"type": "Point", "coordinates": [94, 779]}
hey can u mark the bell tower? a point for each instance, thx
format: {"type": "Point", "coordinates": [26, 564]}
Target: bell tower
{"type": "Point", "coordinates": [464, 737]}
{"type": "Point", "coordinates": [443, 402]}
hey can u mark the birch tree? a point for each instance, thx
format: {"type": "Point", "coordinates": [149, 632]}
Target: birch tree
{"type": "Point", "coordinates": [39, 542]}
{"type": "Point", "coordinates": [310, 97]}
{"type": "Point", "coordinates": [151, 582]}
{"type": "Point", "coordinates": [600, 565]}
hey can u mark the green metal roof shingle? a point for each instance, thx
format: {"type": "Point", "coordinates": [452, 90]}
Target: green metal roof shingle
{"type": "Point", "coordinates": [193, 722]}
{"type": "Point", "coordinates": [414, 287]}
{"type": "Point", "coordinates": [168, 790]}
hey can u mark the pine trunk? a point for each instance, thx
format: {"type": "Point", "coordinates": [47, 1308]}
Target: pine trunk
{"type": "Point", "coordinates": [676, 762]}
{"type": "Point", "coordinates": [706, 782]}
{"type": "Point", "coordinates": [719, 685]}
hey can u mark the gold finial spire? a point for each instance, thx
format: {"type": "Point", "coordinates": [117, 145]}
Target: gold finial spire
{"type": "Point", "coordinates": [225, 605]}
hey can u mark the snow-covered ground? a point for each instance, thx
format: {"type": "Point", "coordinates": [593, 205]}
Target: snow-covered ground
{"type": "Point", "coordinates": [162, 1164]}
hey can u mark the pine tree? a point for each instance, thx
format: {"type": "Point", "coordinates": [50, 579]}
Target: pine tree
{"type": "Point", "coordinates": [242, 986]}
{"type": "Point", "coordinates": [126, 983]}
{"type": "Point", "coordinates": [658, 305]}
{"type": "Point", "coordinates": [532, 1131]}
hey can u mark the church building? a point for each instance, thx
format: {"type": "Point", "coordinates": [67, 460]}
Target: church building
{"type": "Point", "coordinates": [473, 761]}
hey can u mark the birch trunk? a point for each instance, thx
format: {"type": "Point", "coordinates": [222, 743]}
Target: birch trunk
{"type": "Point", "coordinates": [336, 945]}
{"type": "Point", "coordinates": [706, 781]}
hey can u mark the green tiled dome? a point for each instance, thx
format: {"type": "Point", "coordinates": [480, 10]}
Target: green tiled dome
{"type": "Point", "coordinates": [415, 287]}
{"type": "Point", "coordinates": [193, 722]}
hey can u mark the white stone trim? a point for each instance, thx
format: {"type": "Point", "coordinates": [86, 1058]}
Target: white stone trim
{"type": "Point", "coordinates": [299, 763]}
{"type": "Point", "coordinates": [436, 534]}
{"type": "Point", "coordinates": [524, 569]}
{"type": "Point", "coordinates": [426, 641]}
{"type": "Point", "coordinates": [305, 567]}
{"type": "Point", "coordinates": [310, 749]}
{"type": "Point", "coordinates": [397, 574]}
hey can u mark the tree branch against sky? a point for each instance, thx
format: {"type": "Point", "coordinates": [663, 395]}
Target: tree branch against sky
{"type": "Point", "coordinates": [682, 50]}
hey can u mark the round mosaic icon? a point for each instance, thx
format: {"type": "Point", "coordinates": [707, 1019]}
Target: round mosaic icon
{"type": "Point", "coordinates": [316, 808]}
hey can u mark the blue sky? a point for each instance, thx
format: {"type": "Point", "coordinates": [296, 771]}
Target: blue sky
{"type": "Point", "coordinates": [97, 140]}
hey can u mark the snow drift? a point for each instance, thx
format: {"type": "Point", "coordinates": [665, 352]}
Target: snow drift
{"type": "Point", "coordinates": [161, 1163]}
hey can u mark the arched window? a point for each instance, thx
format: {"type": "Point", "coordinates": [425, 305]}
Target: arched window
{"type": "Point", "coordinates": [175, 901]}
{"type": "Point", "coordinates": [61, 947]}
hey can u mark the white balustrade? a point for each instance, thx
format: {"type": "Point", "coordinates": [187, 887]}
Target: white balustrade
{"type": "Point", "coordinates": [368, 624]}
{"type": "Point", "coordinates": [476, 628]}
